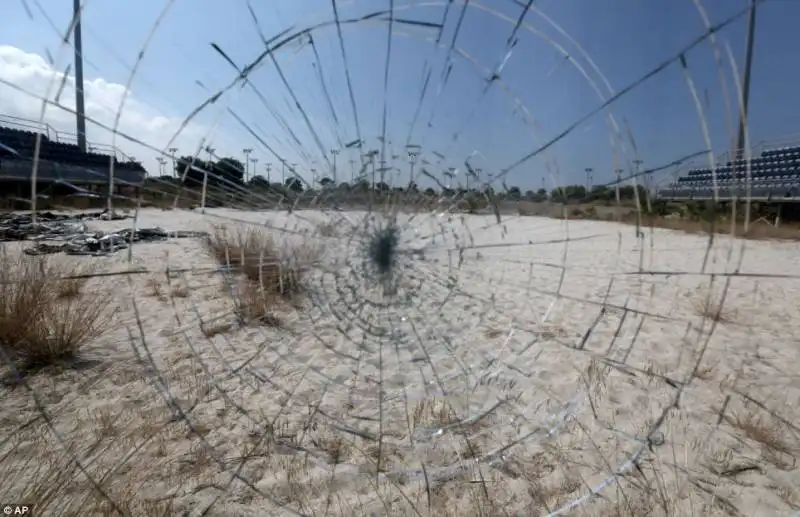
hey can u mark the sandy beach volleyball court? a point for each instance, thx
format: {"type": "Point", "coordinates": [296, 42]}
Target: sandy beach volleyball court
{"type": "Point", "coordinates": [531, 367]}
{"type": "Point", "coordinates": [400, 258]}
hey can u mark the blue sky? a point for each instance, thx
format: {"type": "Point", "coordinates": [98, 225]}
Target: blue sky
{"type": "Point", "coordinates": [614, 42]}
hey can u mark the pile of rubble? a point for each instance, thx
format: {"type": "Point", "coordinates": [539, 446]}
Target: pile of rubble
{"type": "Point", "coordinates": [58, 233]}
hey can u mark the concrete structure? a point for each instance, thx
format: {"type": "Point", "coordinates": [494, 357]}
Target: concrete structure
{"type": "Point", "coordinates": [59, 162]}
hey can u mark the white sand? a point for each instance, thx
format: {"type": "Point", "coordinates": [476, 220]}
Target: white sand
{"type": "Point", "coordinates": [506, 331]}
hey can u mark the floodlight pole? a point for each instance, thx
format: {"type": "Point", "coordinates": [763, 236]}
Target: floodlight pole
{"type": "Point", "coordinates": [412, 160]}
{"type": "Point", "coordinates": [210, 151]}
{"type": "Point", "coordinates": [748, 63]}
{"type": "Point", "coordinates": [246, 153]}
{"type": "Point", "coordinates": [79, 105]}
{"type": "Point", "coordinates": [335, 152]}
{"type": "Point", "coordinates": [172, 151]}
{"type": "Point", "coordinates": [254, 161]}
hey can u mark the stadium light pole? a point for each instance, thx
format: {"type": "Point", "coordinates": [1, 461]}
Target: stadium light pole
{"type": "Point", "coordinates": [268, 167]}
{"type": "Point", "coordinates": [80, 110]}
{"type": "Point", "coordinates": [210, 151]}
{"type": "Point", "coordinates": [748, 64]}
{"type": "Point", "coordinates": [370, 156]}
{"type": "Point", "coordinates": [246, 152]}
{"type": "Point", "coordinates": [588, 171]}
{"type": "Point", "coordinates": [335, 152]}
{"type": "Point", "coordinates": [161, 163]}
{"type": "Point", "coordinates": [172, 151]}
{"type": "Point", "coordinates": [254, 162]}
{"type": "Point", "coordinates": [412, 160]}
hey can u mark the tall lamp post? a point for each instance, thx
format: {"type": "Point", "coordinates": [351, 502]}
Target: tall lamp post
{"type": "Point", "coordinates": [412, 160]}
{"type": "Point", "coordinates": [335, 153]}
{"type": "Point", "coordinates": [161, 162]}
{"type": "Point", "coordinates": [210, 151]}
{"type": "Point", "coordinates": [254, 161]}
{"type": "Point", "coordinates": [748, 64]}
{"type": "Point", "coordinates": [79, 96]}
{"type": "Point", "coordinates": [172, 151]}
{"type": "Point", "coordinates": [246, 153]}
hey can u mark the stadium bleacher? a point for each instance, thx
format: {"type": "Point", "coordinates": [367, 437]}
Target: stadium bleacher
{"type": "Point", "coordinates": [59, 162]}
{"type": "Point", "coordinates": [773, 175]}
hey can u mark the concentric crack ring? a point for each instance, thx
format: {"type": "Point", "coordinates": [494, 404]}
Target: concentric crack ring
{"type": "Point", "coordinates": [437, 274]}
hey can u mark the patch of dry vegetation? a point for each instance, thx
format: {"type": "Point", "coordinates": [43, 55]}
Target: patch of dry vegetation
{"type": "Point", "coordinates": [46, 318]}
{"type": "Point", "coordinates": [758, 229]}
{"type": "Point", "coordinates": [327, 229]}
{"type": "Point", "coordinates": [755, 231]}
{"type": "Point", "coordinates": [269, 275]}
{"type": "Point", "coordinates": [712, 306]}
{"type": "Point", "coordinates": [766, 431]}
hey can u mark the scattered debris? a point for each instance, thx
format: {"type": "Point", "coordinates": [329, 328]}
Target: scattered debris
{"type": "Point", "coordinates": [73, 237]}
{"type": "Point", "coordinates": [108, 243]}
{"type": "Point", "coordinates": [20, 227]}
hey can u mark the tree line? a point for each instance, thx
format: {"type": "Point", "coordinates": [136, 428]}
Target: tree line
{"type": "Point", "coordinates": [229, 171]}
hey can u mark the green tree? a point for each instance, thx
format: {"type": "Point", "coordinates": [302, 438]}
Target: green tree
{"type": "Point", "coordinates": [228, 169]}
{"type": "Point", "coordinates": [191, 169]}
{"type": "Point", "coordinates": [259, 181]}
{"type": "Point", "coordinates": [294, 184]}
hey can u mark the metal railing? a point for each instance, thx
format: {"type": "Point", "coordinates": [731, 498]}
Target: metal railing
{"type": "Point", "coordinates": [54, 135]}
{"type": "Point", "coordinates": [26, 125]}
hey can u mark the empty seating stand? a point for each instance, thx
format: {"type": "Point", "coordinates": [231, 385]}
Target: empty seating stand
{"type": "Point", "coordinates": [58, 161]}
{"type": "Point", "coordinates": [773, 175]}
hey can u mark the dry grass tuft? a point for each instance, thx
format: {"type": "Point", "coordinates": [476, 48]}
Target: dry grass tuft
{"type": "Point", "coordinates": [270, 275]}
{"type": "Point", "coordinates": [43, 318]}
{"type": "Point", "coordinates": [254, 304]}
{"type": "Point", "coordinates": [71, 287]}
{"type": "Point", "coordinates": [712, 307]}
{"type": "Point", "coordinates": [154, 288]}
{"type": "Point", "coordinates": [181, 291]}
{"type": "Point", "coordinates": [327, 229]}
{"type": "Point", "coordinates": [764, 430]}
{"type": "Point", "coordinates": [433, 412]}
{"type": "Point", "coordinates": [254, 254]}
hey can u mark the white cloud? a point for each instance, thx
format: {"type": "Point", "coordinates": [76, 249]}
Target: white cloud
{"type": "Point", "coordinates": [32, 73]}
